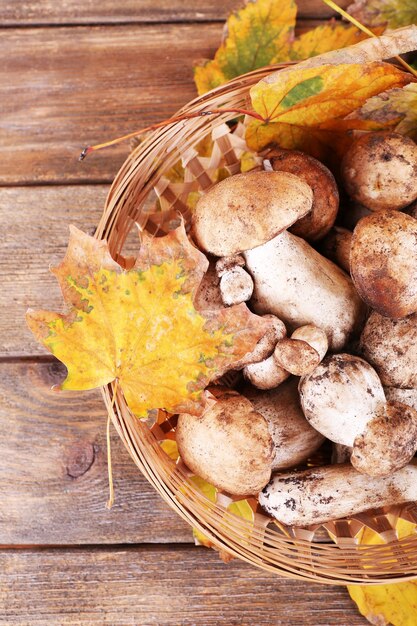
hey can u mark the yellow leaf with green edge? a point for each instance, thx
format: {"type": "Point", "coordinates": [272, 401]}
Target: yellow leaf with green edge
{"type": "Point", "coordinates": [389, 13]}
{"type": "Point", "coordinates": [324, 38]}
{"type": "Point", "coordinates": [397, 107]}
{"type": "Point", "coordinates": [140, 327]}
{"type": "Point", "coordinates": [257, 35]}
{"type": "Point", "coordinates": [295, 101]}
{"type": "Point", "coordinates": [243, 509]}
{"type": "Point", "coordinates": [395, 603]}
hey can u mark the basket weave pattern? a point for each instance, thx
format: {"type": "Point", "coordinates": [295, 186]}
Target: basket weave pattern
{"type": "Point", "coordinates": [334, 557]}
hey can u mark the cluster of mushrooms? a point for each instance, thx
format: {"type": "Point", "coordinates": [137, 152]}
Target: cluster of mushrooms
{"type": "Point", "coordinates": [339, 359]}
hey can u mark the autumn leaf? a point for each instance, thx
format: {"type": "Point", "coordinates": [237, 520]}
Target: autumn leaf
{"type": "Point", "coordinates": [395, 603]}
{"type": "Point", "coordinates": [296, 102]}
{"type": "Point", "coordinates": [262, 33]}
{"type": "Point", "coordinates": [255, 36]}
{"type": "Point", "coordinates": [397, 107]}
{"type": "Point", "coordinates": [140, 326]}
{"type": "Point", "coordinates": [387, 13]}
{"type": "Point", "coordinates": [324, 38]}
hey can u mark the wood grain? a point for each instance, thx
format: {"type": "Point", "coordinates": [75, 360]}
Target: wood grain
{"type": "Point", "coordinates": [159, 585]}
{"type": "Point", "coordinates": [35, 224]}
{"type": "Point", "coordinates": [64, 88]}
{"type": "Point", "coordinates": [53, 470]}
{"type": "Point", "coordinates": [30, 12]}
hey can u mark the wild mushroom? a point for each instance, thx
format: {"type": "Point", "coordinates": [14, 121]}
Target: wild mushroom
{"type": "Point", "coordinates": [239, 440]}
{"type": "Point", "coordinates": [301, 287]}
{"type": "Point", "coordinates": [266, 374]}
{"type": "Point", "coordinates": [301, 353]}
{"type": "Point", "coordinates": [294, 438]}
{"type": "Point", "coordinates": [236, 285]}
{"type": "Point", "coordinates": [383, 261]}
{"type": "Point", "coordinates": [229, 445]}
{"type": "Point", "coordinates": [344, 400]}
{"type": "Point", "coordinates": [379, 170]}
{"type": "Point", "coordinates": [321, 494]}
{"type": "Point", "coordinates": [390, 346]}
{"type": "Point", "coordinates": [325, 193]}
{"type": "Point", "coordinates": [291, 280]}
{"type": "Point", "coordinates": [405, 396]}
{"type": "Point", "coordinates": [245, 210]}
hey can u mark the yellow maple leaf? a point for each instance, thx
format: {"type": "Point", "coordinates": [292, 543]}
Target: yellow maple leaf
{"type": "Point", "coordinates": [294, 102]}
{"type": "Point", "coordinates": [324, 38]}
{"type": "Point", "coordinates": [257, 35]}
{"type": "Point", "coordinates": [139, 326]}
{"type": "Point", "coordinates": [395, 603]}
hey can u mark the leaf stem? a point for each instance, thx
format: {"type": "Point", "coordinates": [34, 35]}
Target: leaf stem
{"type": "Point", "coordinates": [110, 501]}
{"type": "Point", "coordinates": [365, 30]}
{"type": "Point", "coordinates": [171, 120]}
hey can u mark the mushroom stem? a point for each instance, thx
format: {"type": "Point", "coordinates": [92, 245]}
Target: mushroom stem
{"type": "Point", "coordinates": [326, 493]}
{"type": "Point", "coordinates": [301, 287]}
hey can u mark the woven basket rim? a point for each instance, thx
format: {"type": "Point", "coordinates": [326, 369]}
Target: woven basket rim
{"type": "Point", "coordinates": [293, 557]}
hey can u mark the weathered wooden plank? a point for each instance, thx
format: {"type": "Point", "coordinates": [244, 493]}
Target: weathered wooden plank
{"type": "Point", "coordinates": [31, 12]}
{"type": "Point", "coordinates": [53, 470]}
{"type": "Point", "coordinates": [63, 88]}
{"type": "Point", "coordinates": [159, 585]}
{"type": "Point", "coordinates": [34, 236]}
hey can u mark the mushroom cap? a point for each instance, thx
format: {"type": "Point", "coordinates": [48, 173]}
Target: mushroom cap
{"type": "Point", "coordinates": [341, 396]}
{"type": "Point", "coordinates": [405, 396]}
{"type": "Point", "coordinates": [379, 170]}
{"type": "Point", "coordinates": [388, 442]}
{"type": "Point", "coordinates": [336, 247]}
{"type": "Point", "coordinates": [300, 354]}
{"type": "Point", "coordinates": [236, 286]}
{"type": "Point", "coordinates": [294, 439]}
{"type": "Point", "coordinates": [246, 210]}
{"type": "Point", "coordinates": [383, 261]}
{"type": "Point", "coordinates": [325, 193]}
{"type": "Point", "coordinates": [229, 445]}
{"type": "Point", "coordinates": [390, 346]}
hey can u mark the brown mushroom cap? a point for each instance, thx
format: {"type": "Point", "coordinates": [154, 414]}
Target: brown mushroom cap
{"type": "Point", "coordinates": [246, 210]}
{"type": "Point", "coordinates": [294, 439]}
{"type": "Point", "coordinates": [383, 262]}
{"type": "Point", "coordinates": [388, 442]}
{"type": "Point", "coordinates": [325, 193]}
{"type": "Point", "coordinates": [229, 445]}
{"type": "Point", "coordinates": [391, 347]}
{"type": "Point", "coordinates": [300, 354]}
{"type": "Point", "coordinates": [336, 247]}
{"type": "Point", "coordinates": [380, 171]}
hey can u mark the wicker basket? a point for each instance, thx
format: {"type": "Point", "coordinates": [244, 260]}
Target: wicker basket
{"type": "Point", "coordinates": [335, 556]}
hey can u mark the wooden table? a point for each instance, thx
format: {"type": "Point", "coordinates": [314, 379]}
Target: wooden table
{"type": "Point", "coordinates": [75, 73]}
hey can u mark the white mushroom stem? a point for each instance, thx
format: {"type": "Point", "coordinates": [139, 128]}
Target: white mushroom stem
{"type": "Point", "coordinates": [326, 493]}
{"type": "Point", "coordinates": [301, 287]}
{"type": "Point", "coordinates": [266, 374]}
{"type": "Point", "coordinates": [301, 354]}
{"type": "Point", "coordinates": [343, 399]}
{"type": "Point", "coordinates": [294, 439]}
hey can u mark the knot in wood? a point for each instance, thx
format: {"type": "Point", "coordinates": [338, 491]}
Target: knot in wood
{"type": "Point", "coordinates": [81, 458]}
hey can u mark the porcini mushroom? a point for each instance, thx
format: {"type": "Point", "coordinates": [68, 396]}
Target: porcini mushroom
{"type": "Point", "coordinates": [336, 247]}
{"type": "Point", "coordinates": [322, 216]}
{"type": "Point", "coordinates": [321, 494]}
{"type": "Point", "coordinates": [390, 346]}
{"type": "Point", "coordinates": [344, 399]}
{"type": "Point", "coordinates": [383, 262]}
{"type": "Point", "coordinates": [229, 445]}
{"type": "Point", "coordinates": [245, 210]}
{"type": "Point", "coordinates": [379, 170]}
{"type": "Point", "coordinates": [236, 285]}
{"type": "Point", "coordinates": [300, 286]}
{"type": "Point", "coordinates": [301, 353]}
{"type": "Point", "coordinates": [291, 280]}
{"type": "Point", "coordinates": [294, 438]}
